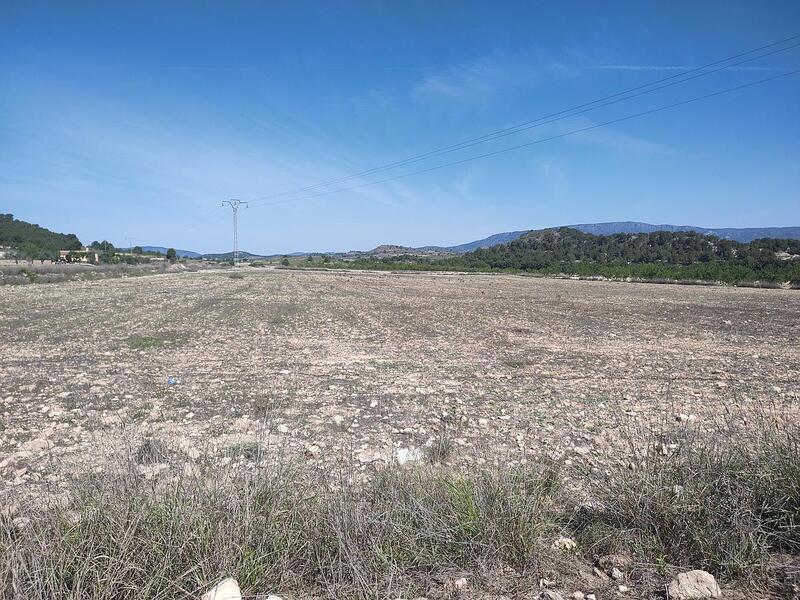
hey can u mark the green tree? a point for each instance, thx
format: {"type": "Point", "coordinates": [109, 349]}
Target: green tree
{"type": "Point", "coordinates": [137, 250]}
{"type": "Point", "coordinates": [104, 246]}
{"type": "Point", "coordinates": [33, 241]}
{"type": "Point", "coordinates": [171, 254]}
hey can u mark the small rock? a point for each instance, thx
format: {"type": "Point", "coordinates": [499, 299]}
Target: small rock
{"type": "Point", "coordinates": [227, 589]}
{"type": "Point", "coordinates": [617, 574]}
{"type": "Point", "coordinates": [565, 544]}
{"type": "Point", "coordinates": [404, 455]}
{"type": "Point", "coordinates": [694, 585]}
{"type": "Point", "coordinates": [591, 597]}
{"type": "Point", "coordinates": [550, 595]}
{"type": "Point", "coordinates": [578, 596]}
{"type": "Point", "coordinates": [456, 586]}
{"type": "Point", "coordinates": [313, 450]}
{"type": "Point", "coordinates": [282, 428]}
{"type": "Point", "coordinates": [623, 589]}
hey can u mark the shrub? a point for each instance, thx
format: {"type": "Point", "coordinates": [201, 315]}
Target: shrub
{"type": "Point", "coordinates": [151, 450]}
{"type": "Point", "coordinates": [441, 447]}
{"type": "Point", "coordinates": [31, 275]}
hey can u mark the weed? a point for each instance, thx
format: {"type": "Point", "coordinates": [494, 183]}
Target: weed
{"type": "Point", "coordinates": [441, 447]}
{"type": "Point", "coordinates": [248, 450]}
{"type": "Point", "coordinates": [151, 450]}
{"type": "Point", "coordinates": [143, 342]}
{"type": "Point", "coordinates": [31, 275]}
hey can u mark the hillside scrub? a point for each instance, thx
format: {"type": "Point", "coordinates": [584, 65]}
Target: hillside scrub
{"type": "Point", "coordinates": [33, 241]}
{"type": "Point", "coordinates": [660, 256]}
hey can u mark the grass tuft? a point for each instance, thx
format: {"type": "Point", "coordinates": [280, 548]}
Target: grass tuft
{"type": "Point", "coordinates": [714, 504]}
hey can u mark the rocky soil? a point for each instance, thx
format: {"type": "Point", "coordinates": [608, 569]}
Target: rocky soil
{"type": "Point", "coordinates": [341, 368]}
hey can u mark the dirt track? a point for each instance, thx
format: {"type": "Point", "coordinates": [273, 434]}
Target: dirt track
{"type": "Point", "coordinates": [362, 368]}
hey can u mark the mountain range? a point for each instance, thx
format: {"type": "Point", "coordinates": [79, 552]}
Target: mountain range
{"type": "Point", "coordinates": [180, 253]}
{"type": "Point", "coordinates": [743, 235]}
{"type": "Point", "coordinates": [738, 234]}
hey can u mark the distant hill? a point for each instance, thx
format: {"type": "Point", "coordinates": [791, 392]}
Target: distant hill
{"type": "Point", "coordinates": [488, 242]}
{"type": "Point", "coordinates": [163, 250]}
{"type": "Point", "coordinates": [743, 234]}
{"type": "Point", "coordinates": [388, 250]}
{"type": "Point", "coordinates": [32, 241]}
{"type": "Point", "coordinates": [657, 256]}
{"type": "Point", "coordinates": [229, 256]}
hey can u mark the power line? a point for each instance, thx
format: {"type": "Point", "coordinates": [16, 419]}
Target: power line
{"type": "Point", "coordinates": [538, 141]}
{"type": "Point", "coordinates": [569, 112]}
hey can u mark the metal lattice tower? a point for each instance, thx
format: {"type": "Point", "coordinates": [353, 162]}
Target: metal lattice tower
{"type": "Point", "coordinates": [235, 204]}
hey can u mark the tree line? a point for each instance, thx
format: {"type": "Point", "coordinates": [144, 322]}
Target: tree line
{"type": "Point", "coordinates": [652, 256]}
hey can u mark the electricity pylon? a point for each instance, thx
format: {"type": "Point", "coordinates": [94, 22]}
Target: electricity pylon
{"type": "Point", "coordinates": [235, 204]}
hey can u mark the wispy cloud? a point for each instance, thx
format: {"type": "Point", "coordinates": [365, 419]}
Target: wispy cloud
{"type": "Point", "coordinates": [486, 77]}
{"type": "Point", "coordinates": [462, 83]}
{"type": "Point", "coordinates": [609, 137]}
{"type": "Point", "coordinates": [619, 140]}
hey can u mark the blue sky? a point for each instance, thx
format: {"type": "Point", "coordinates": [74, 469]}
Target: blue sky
{"type": "Point", "coordinates": [135, 120]}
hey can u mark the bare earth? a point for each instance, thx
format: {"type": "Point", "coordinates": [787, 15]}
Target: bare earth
{"type": "Point", "coordinates": [357, 369]}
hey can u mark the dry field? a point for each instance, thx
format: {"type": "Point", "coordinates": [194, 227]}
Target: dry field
{"type": "Point", "coordinates": [365, 368]}
{"type": "Point", "coordinates": [340, 374]}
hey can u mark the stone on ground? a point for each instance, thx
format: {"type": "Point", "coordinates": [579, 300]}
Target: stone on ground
{"type": "Point", "coordinates": [227, 589]}
{"type": "Point", "coordinates": [694, 585]}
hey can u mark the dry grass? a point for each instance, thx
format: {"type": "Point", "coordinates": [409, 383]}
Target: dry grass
{"type": "Point", "coordinates": [724, 501]}
{"type": "Point", "coordinates": [152, 530]}
{"type": "Point", "coordinates": [126, 536]}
